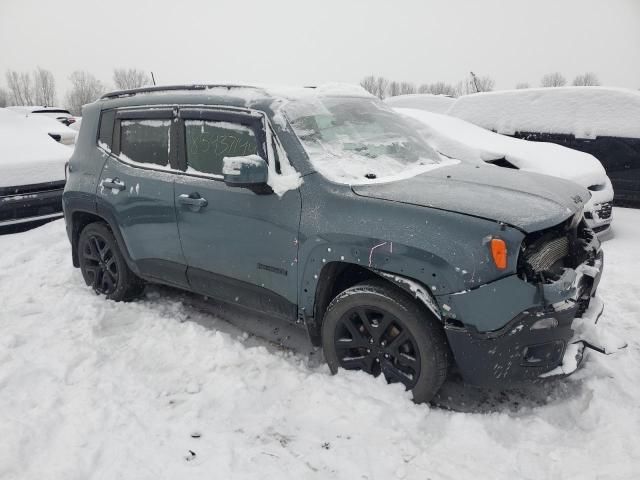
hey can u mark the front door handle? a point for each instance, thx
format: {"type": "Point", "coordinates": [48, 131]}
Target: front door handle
{"type": "Point", "coordinates": [193, 200]}
{"type": "Point", "coordinates": [114, 183]}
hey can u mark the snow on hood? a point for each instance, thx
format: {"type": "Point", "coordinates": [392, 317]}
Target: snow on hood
{"type": "Point", "coordinates": [586, 112]}
{"type": "Point", "coordinates": [465, 141]}
{"type": "Point", "coordinates": [27, 154]}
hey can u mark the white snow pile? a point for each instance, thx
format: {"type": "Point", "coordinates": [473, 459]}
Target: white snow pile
{"type": "Point", "coordinates": [233, 165]}
{"type": "Point", "coordinates": [459, 139]}
{"type": "Point", "coordinates": [27, 154]}
{"type": "Point", "coordinates": [422, 101]}
{"type": "Point", "coordinates": [154, 389]}
{"type": "Point", "coordinates": [586, 112]}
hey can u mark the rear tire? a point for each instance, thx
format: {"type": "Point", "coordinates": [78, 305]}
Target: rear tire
{"type": "Point", "coordinates": [103, 266]}
{"type": "Point", "coordinates": [378, 328]}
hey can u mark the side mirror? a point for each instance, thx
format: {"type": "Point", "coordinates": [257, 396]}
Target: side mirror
{"type": "Point", "coordinates": [245, 171]}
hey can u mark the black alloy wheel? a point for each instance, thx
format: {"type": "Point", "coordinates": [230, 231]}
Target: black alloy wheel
{"type": "Point", "coordinates": [379, 328]}
{"type": "Point", "coordinates": [100, 264]}
{"type": "Point", "coordinates": [371, 339]}
{"type": "Point", "coordinates": [103, 266]}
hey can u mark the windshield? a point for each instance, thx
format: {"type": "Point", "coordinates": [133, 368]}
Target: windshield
{"type": "Point", "coordinates": [359, 139]}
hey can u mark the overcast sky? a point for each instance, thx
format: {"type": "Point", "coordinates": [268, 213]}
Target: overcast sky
{"type": "Point", "coordinates": [311, 42]}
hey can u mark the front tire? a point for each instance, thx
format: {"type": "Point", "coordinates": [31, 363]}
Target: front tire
{"type": "Point", "coordinates": [378, 328]}
{"type": "Point", "coordinates": [103, 266]}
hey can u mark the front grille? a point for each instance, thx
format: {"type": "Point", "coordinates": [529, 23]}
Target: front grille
{"type": "Point", "coordinates": [604, 210]}
{"type": "Point", "coordinates": [545, 256]}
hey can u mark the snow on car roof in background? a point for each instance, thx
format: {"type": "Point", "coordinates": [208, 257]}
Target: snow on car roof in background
{"type": "Point", "coordinates": [26, 109]}
{"type": "Point", "coordinates": [586, 112]}
{"type": "Point", "coordinates": [422, 101]}
{"type": "Point", "coordinates": [27, 154]}
{"type": "Point", "coordinates": [462, 140]}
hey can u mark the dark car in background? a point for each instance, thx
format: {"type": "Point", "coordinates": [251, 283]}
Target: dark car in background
{"type": "Point", "coordinates": [601, 121]}
{"type": "Point", "coordinates": [324, 207]}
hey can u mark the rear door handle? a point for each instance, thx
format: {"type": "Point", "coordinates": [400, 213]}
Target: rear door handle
{"type": "Point", "coordinates": [193, 200]}
{"type": "Point", "coordinates": [113, 183]}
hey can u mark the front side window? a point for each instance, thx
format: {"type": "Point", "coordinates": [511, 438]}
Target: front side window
{"type": "Point", "coordinates": [145, 141]}
{"type": "Point", "coordinates": [210, 141]}
{"type": "Point", "coordinates": [357, 140]}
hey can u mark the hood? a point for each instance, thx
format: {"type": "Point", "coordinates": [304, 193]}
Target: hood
{"type": "Point", "coordinates": [527, 201]}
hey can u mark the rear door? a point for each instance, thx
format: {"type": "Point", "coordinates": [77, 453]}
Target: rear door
{"type": "Point", "coordinates": [136, 190]}
{"type": "Point", "coordinates": [240, 244]}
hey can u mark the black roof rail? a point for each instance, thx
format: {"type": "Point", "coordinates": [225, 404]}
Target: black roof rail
{"type": "Point", "coordinates": [167, 88]}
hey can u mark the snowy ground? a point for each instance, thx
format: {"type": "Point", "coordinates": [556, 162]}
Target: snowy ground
{"type": "Point", "coordinates": [95, 389]}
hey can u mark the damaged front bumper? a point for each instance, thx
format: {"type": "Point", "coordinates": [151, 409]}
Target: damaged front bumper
{"type": "Point", "coordinates": [546, 339]}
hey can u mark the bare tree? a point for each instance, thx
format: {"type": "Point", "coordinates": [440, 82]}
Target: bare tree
{"type": "Point", "coordinates": [381, 87]}
{"type": "Point", "coordinates": [127, 78]}
{"type": "Point", "coordinates": [4, 98]}
{"type": "Point", "coordinates": [407, 88]}
{"type": "Point", "coordinates": [555, 79]}
{"type": "Point", "coordinates": [44, 87]}
{"type": "Point", "coordinates": [588, 79]}
{"type": "Point", "coordinates": [522, 85]}
{"type": "Point", "coordinates": [475, 84]}
{"type": "Point", "coordinates": [484, 83]}
{"type": "Point", "coordinates": [369, 84]}
{"type": "Point", "coordinates": [393, 89]}
{"type": "Point", "coordinates": [20, 88]}
{"type": "Point", "coordinates": [437, 88]}
{"type": "Point", "coordinates": [84, 89]}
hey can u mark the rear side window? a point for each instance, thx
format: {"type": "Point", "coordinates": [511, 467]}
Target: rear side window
{"type": "Point", "coordinates": [209, 141]}
{"type": "Point", "coordinates": [145, 141]}
{"type": "Point", "coordinates": [105, 137]}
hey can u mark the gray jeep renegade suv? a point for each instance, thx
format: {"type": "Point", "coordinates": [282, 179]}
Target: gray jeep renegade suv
{"type": "Point", "coordinates": [321, 206]}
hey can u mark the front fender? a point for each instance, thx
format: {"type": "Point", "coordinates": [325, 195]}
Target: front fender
{"type": "Point", "coordinates": [381, 257]}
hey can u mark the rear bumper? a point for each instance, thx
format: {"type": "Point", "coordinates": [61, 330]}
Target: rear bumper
{"type": "Point", "coordinates": [537, 343]}
{"type": "Point", "coordinates": [30, 203]}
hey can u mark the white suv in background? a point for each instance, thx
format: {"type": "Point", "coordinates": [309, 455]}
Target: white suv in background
{"type": "Point", "coordinates": [53, 121]}
{"type": "Point", "coordinates": [456, 138]}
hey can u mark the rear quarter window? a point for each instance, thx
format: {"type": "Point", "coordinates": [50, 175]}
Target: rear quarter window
{"type": "Point", "coordinates": [105, 133]}
{"type": "Point", "coordinates": [145, 141]}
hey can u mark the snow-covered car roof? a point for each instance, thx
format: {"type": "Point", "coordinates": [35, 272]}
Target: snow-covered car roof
{"type": "Point", "coordinates": [27, 109]}
{"type": "Point", "coordinates": [586, 112]}
{"type": "Point", "coordinates": [27, 155]}
{"type": "Point", "coordinates": [464, 141]}
{"type": "Point", "coordinates": [422, 101]}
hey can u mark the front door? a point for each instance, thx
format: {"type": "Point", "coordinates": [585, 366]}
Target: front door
{"type": "Point", "coordinates": [240, 245]}
{"type": "Point", "coordinates": [136, 192]}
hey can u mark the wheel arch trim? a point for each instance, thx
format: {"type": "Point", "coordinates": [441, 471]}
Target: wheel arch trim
{"type": "Point", "coordinates": [331, 281]}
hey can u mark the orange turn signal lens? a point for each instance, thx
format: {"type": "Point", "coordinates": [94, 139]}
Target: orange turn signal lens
{"type": "Point", "coordinates": [499, 253]}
